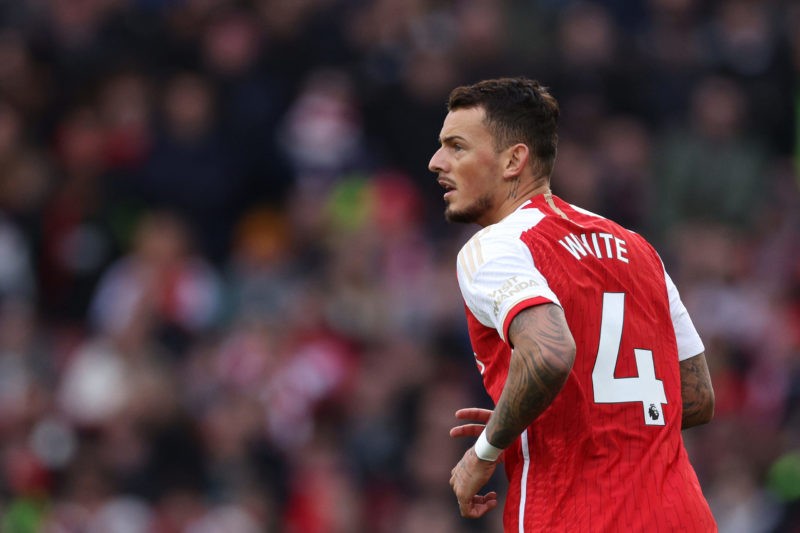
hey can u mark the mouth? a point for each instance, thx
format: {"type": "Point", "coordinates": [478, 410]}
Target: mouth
{"type": "Point", "coordinates": [448, 186]}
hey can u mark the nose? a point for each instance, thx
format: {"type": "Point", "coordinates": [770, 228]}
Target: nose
{"type": "Point", "coordinates": [437, 161]}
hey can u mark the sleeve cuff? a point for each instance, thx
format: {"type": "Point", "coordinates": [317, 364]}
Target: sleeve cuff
{"type": "Point", "coordinates": [516, 308]}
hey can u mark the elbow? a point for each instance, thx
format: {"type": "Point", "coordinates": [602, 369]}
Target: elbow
{"type": "Point", "coordinates": [570, 350]}
{"type": "Point", "coordinates": [566, 359]}
{"type": "Point", "coordinates": [562, 358]}
{"type": "Point", "coordinates": [708, 412]}
{"type": "Point", "coordinates": [697, 392]}
{"type": "Point", "coordinates": [699, 412]}
{"type": "Point", "coordinates": [705, 413]}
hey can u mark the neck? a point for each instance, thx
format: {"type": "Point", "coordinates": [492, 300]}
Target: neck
{"type": "Point", "coordinates": [516, 196]}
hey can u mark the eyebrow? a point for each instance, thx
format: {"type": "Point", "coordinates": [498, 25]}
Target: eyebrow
{"type": "Point", "coordinates": [451, 138]}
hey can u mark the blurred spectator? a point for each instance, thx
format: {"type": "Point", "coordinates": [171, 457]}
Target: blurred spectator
{"type": "Point", "coordinates": [577, 176]}
{"type": "Point", "coordinates": [263, 271]}
{"type": "Point", "coordinates": [481, 47]}
{"type": "Point", "coordinates": [125, 108]}
{"type": "Point", "coordinates": [590, 73]}
{"type": "Point", "coordinates": [673, 44]}
{"type": "Point", "coordinates": [22, 80]}
{"type": "Point", "coordinates": [191, 168]}
{"type": "Point", "coordinates": [77, 242]}
{"type": "Point", "coordinates": [322, 131]}
{"type": "Point", "coordinates": [625, 148]}
{"type": "Point", "coordinates": [161, 287]}
{"type": "Point", "coordinates": [413, 105]}
{"type": "Point", "coordinates": [251, 99]}
{"type": "Point", "coordinates": [323, 496]}
{"type": "Point", "coordinates": [745, 41]}
{"type": "Point", "coordinates": [16, 279]}
{"type": "Point", "coordinates": [711, 169]}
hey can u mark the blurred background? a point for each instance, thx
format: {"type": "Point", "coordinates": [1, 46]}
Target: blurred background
{"type": "Point", "coordinates": [227, 293]}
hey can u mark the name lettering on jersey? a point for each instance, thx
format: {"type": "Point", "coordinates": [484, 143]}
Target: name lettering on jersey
{"type": "Point", "coordinates": [512, 286]}
{"type": "Point", "coordinates": [600, 245]}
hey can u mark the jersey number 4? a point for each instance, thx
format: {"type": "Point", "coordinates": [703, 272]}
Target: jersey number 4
{"type": "Point", "coordinates": [644, 388]}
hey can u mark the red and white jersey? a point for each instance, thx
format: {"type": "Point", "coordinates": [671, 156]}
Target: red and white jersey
{"type": "Point", "coordinates": [607, 454]}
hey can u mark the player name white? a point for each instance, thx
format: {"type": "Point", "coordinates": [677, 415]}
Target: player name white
{"type": "Point", "coordinates": [600, 245]}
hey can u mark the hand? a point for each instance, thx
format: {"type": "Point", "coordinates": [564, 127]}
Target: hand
{"type": "Point", "coordinates": [472, 473]}
{"type": "Point", "coordinates": [469, 475]}
{"type": "Point", "coordinates": [471, 430]}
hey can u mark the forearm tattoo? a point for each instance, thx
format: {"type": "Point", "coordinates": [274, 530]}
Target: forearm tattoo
{"type": "Point", "coordinates": [697, 392]}
{"type": "Point", "coordinates": [540, 363]}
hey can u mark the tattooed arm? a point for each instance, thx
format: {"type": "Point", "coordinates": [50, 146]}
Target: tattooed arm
{"type": "Point", "coordinates": [543, 354]}
{"type": "Point", "coordinates": [696, 392]}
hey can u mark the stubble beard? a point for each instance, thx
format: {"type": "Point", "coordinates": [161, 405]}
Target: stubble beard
{"type": "Point", "coordinates": [471, 213]}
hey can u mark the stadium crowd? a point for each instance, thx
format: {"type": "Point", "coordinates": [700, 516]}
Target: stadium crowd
{"type": "Point", "coordinates": [227, 292]}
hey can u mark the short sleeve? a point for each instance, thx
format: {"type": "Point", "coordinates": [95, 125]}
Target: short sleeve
{"type": "Point", "coordinates": [689, 342]}
{"type": "Point", "coordinates": [498, 279]}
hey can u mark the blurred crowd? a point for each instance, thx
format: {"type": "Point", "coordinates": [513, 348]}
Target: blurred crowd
{"type": "Point", "coordinates": [227, 293]}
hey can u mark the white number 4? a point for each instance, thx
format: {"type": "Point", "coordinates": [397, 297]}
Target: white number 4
{"type": "Point", "coordinates": [645, 387]}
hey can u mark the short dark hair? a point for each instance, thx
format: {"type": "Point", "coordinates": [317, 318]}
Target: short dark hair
{"type": "Point", "coordinates": [518, 110]}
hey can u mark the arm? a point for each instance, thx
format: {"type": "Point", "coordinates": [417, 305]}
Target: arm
{"type": "Point", "coordinates": [543, 354]}
{"type": "Point", "coordinates": [697, 392]}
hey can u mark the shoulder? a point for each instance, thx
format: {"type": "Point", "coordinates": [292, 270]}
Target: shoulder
{"type": "Point", "coordinates": [498, 240]}
{"type": "Point", "coordinates": [620, 230]}
{"type": "Point", "coordinates": [505, 234]}
{"type": "Point", "coordinates": [586, 212]}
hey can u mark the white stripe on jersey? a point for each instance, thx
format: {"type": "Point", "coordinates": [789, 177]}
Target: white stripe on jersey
{"type": "Point", "coordinates": [466, 262]}
{"type": "Point", "coordinates": [523, 484]}
{"type": "Point", "coordinates": [471, 257]}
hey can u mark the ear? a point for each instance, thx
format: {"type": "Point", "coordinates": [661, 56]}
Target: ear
{"type": "Point", "coordinates": [516, 160]}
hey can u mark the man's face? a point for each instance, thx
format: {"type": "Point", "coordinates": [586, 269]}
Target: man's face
{"type": "Point", "coordinates": [468, 167]}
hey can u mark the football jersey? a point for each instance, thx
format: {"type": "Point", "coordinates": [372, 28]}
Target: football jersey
{"type": "Point", "coordinates": [607, 454]}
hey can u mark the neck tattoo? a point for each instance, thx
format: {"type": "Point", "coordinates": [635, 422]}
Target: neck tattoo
{"type": "Point", "coordinates": [512, 194]}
